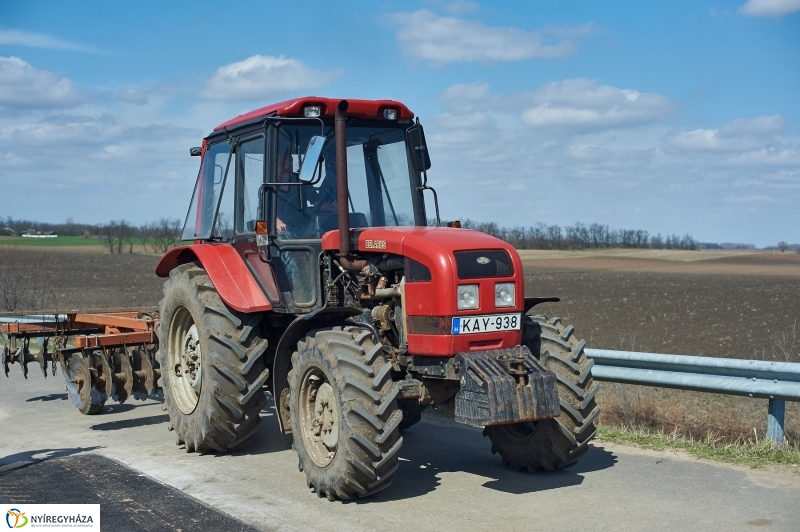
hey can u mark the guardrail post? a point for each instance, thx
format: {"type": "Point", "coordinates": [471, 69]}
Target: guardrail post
{"type": "Point", "coordinates": [775, 415]}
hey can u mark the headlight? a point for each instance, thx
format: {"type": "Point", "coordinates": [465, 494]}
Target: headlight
{"type": "Point", "coordinates": [312, 111]}
{"type": "Point", "coordinates": [467, 296]}
{"type": "Point", "coordinates": [504, 295]}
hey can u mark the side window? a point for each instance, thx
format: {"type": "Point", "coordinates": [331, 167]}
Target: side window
{"type": "Point", "coordinates": [208, 188]}
{"type": "Point", "coordinates": [223, 226]}
{"type": "Point", "coordinates": [251, 177]}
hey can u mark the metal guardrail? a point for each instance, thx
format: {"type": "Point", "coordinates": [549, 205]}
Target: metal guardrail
{"type": "Point", "coordinates": [776, 381]}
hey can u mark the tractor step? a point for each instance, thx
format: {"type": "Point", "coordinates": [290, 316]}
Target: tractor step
{"type": "Point", "coordinates": [504, 386]}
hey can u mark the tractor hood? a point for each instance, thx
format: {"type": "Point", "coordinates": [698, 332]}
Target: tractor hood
{"type": "Point", "coordinates": [436, 248]}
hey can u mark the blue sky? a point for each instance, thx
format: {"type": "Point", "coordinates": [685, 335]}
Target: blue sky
{"type": "Point", "coordinates": [677, 117]}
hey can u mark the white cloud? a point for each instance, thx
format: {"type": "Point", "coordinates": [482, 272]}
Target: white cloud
{"type": "Point", "coordinates": [745, 141]}
{"type": "Point", "coordinates": [456, 7]}
{"type": "Point", "coordinates": [427, 36]}
{"type": "Point", "coordinates": [769, 8]}
{"type": "Point", "coordinates": [570, 106]}
{"type": "Point", "coordinates": [22, 85]}
{"type": "Point", "coordinates": [762, 125]}
{"type": "Point", "coordinates": [39, 40]}
{"type": "Point", "coordinates": [263, 76]}
{"type": "Point", "coordinates": [582, 105]}
{"type": "Point", "coordinates": [133, 95]}
{"type": "Point", "coordinates": [63, 131]}
{"type": "Point", "coordinates": [70, 130]}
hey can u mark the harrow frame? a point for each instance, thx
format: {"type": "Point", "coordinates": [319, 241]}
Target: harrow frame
{"type": "Point", "coordinates": [114, 352]}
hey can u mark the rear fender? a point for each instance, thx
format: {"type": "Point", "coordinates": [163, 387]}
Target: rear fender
{"type": "Point", "coordinates": [227, 271]}
{"type": "Point", "coordinates": [324, 317]}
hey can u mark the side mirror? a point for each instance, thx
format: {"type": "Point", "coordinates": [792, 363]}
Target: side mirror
{"type": "Point", "coordinates": [420, 158]}
{"type": "Point", "coordinates": [196, 152]}
{"type": "Point", "coordinates": [311, 158]}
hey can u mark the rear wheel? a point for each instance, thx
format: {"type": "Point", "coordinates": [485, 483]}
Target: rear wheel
{"type": "Point", "coordinates": [344, 416]}
{"type": "Point", "coordinates": [211, 366]}
{"type": "Point", "coordinates": [553, 443]}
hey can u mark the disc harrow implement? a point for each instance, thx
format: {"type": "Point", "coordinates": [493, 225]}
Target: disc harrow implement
{"type": "Point", "coordinates": [101, 356]}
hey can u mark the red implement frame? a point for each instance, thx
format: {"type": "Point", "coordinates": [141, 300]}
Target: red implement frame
{"type": "Point", "coordinates": [114, 329]}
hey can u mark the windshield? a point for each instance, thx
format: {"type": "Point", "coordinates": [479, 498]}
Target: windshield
{"type": "Point", "coordinates": [379, 179]}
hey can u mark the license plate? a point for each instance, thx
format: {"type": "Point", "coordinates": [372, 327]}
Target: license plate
{"type": "Point", "coordinates": [488, 323]}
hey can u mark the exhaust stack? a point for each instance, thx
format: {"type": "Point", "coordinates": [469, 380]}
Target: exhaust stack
{"type": "Point", "coordinates": [340, 135]}
{"type": "Point", "coordinates": [342, 193]}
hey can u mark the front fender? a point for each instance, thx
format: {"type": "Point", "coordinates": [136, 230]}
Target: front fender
{"type": "Point", "coordinates": [227, 271]}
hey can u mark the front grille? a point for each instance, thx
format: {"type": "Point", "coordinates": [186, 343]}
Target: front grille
{"type": "Point", "coordinates": [484, 263]}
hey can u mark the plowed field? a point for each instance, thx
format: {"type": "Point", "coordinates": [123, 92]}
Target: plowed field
{"type": "Point", "coordinates": [735, 305]}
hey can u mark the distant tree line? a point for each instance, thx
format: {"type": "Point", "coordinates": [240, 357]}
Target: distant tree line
{"type": "Point", "coordinates": [158, 236]}
{"type": "Point", "coordinates": [580, 236]}
{"type": "Point", "coordinates": [120, 236]}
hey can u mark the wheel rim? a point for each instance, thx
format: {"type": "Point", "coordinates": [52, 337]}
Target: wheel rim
{"type": "Point", "coordinates": [319, 417]}
{"type": "Point", "coordinates": [184, 360]}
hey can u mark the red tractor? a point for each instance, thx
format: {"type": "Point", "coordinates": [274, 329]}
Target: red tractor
{"type": "Point", "coordinates": [316, 275]}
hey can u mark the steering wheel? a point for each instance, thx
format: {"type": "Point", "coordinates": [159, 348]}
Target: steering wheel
{"type": "Point", "coordinates": [325, 196]}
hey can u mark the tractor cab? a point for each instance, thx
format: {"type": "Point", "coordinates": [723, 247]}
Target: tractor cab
{"type": "Point", "coordinates": [257, 190]}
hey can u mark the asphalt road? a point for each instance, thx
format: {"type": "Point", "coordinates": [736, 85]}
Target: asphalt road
{"type": "Point", "coordinates": [448, 479]}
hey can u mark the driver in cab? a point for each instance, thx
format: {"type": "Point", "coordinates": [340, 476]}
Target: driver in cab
{"type": "Point", "coordinates": [298, 204]}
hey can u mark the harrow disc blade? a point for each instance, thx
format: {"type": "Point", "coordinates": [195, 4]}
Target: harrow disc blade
{"type": "Point", "coordinates": [156, 390]}
{"type": "Point", "coordinates": [6, 359]}
{"type": "Point", "coordinates": [78, 379]}
{"type": "Point", "coordinates": [42, 359]}
{"type": "Point", "coordinates": [122, 376]}
{"type": "Point", "coordinates": [21, 358]}
{"type": "Point", "coordinates": [101, 377]}
{"type": "Point", "coordinates": [143, 379]}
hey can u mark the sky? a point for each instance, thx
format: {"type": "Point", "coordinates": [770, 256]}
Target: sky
{"type": "Point", "coordinates": [673, 117]}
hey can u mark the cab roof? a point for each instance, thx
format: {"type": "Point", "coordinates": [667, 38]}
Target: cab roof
{"type": "Point", "coordinates": [294, 108]}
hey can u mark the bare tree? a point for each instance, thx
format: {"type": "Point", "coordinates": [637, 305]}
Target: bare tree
{"type": "Point", "coordinates": [110, 232]}
{"type": "Point", "coordinates": [123, 230]}
{"type": "Point", "coordinates": [163, 234]}
{"type": "Point", "coordinates": [118, 233]}
{"type": "Point", "coordinates": [24, 279]}
{"type": "Point", "coordinates": [783, 246]}
{"type": "Point", "coordinates": [129, 237]}
{"type": "Point", "coordinates": [784, 342]}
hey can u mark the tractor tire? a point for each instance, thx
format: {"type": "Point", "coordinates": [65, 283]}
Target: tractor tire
{"type": "Point", "coordinates": [344, 415]}
{"type": "Point", "coordinates": [412, 413]}
{"type": "Point", "coordinates": [211, 361]}
{"type": "Point", "coordinates": [559, 442]}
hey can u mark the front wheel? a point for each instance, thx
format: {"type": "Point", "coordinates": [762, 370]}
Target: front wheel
{"type": "Point", "coordinates": [344, 416]}
{"type": "Point", "coordinates": [559, 442]}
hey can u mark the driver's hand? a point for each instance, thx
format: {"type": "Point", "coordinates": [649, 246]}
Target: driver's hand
{"type": "Point", "coordinates": [280, 226]}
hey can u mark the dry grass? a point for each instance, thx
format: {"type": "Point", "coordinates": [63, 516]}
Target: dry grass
{"type": "Point", "coordinates": [693, 414]}
{"type": "Point", "coordinates": [756, 452]}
